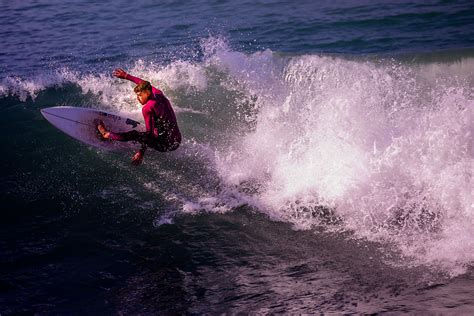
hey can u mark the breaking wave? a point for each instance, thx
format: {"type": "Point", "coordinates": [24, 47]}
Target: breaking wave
{"type": "Point", "coordinates": [379, 146]}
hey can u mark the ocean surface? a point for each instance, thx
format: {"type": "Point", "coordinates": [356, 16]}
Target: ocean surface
{"type": "Point", "coordinates": [327, 162]}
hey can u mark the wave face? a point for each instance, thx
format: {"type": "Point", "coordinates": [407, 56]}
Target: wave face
{"type": "Point", "coordinates": [378, 146]}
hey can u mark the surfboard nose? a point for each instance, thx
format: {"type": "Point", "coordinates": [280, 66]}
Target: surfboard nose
{"type": "Point", "coordinates": [46, 112]}
{"type": "Point", "coordinates": [43, 112]}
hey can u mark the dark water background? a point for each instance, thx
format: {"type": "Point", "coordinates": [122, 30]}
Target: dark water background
{"type": "Point", "coordinates": [326, 167]}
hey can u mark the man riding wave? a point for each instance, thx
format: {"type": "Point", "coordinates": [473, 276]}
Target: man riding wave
{"type": "Point", "coordinates": [162, 132]}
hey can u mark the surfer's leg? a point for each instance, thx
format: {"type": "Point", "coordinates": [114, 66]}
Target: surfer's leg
{"type": "Point", "coordinates": [122, 137]}
{"type": "Point", "coordinates": [127, 136]}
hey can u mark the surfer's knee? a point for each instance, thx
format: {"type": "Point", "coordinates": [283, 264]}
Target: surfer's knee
{"type": "Point", "coordinates": [174, 147]}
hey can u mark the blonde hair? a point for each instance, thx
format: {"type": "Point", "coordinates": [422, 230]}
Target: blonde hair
{"type": "Point", "coordinates": [142, 86]}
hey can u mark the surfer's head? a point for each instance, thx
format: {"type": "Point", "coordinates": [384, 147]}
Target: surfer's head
{"type": "Point", "coordinates": [143, 91]}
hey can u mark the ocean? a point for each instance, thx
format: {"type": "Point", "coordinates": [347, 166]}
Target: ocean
{"type": "Point", "coordinates": [326, 166]}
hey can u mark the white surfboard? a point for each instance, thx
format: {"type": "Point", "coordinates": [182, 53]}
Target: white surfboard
{"type": "Point", "coordinates": [80, 123]}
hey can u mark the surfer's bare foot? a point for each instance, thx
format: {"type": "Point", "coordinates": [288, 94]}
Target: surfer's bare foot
{"type": "Point", "coordinates": [102, 130]}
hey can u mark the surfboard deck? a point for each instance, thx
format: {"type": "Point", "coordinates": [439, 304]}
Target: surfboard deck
{"type": "Point", "coordinates": [80, 123]}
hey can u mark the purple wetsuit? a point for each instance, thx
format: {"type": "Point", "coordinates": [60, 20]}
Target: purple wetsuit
{"type": "Point", "coordinates": [162, 132]}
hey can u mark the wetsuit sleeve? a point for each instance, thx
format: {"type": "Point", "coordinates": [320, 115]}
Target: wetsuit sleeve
{"type": "Point", "coordinates": [133, 79]}
{"type": "Point", "coordinates": [149, 123]}
{"type": "Point", "coordinates": [149, 120]}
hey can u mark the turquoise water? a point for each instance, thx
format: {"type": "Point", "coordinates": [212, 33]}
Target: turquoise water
{"type": "Point", "coordinates": [326, 166]}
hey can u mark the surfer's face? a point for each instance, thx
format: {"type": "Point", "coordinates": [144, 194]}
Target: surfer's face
{"type": "Point", "coordinates": [143, 96]}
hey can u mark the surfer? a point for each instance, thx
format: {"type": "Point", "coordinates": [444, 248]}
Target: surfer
{"type": "Point", "coordinates": [162, 132]}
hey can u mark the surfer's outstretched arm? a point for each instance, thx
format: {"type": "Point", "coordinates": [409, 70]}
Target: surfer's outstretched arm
{"type": "Point", "coordinates": [122, 74]}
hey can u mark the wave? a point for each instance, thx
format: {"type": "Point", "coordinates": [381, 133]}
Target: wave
{"type": "Point", "coordinates": [380, 146]}
{"type": "Point", "coordinates": [386, 145]}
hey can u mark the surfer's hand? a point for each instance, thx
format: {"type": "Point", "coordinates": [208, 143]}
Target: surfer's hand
{"type": "Point", "coordinates": [137, 158]}
{"type": "Point", "coordinates": [119, 73]}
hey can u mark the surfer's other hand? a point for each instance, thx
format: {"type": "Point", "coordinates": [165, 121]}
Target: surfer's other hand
{"type": "Point", "coordinates": [119, 73]}
{"type": "Point", "coordinates": [137, 158]}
